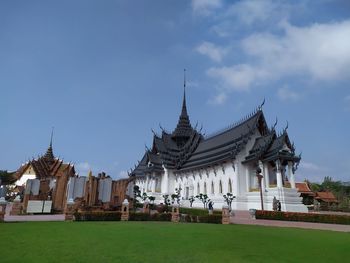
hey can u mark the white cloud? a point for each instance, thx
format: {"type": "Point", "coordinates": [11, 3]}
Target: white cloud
{"type": "Point", "coordinates": [320, 52]}
{"type": "Point", "coordinates": [212, 51]}
{"type": "Point", "coordinates": [311, 171]}
{"type": "Point", "coordinates": [83, 168]}
{"type": "Point", "coordinates": [286, 94]}
{"type": "Point", "coordinates": [205, 7]}
{"type": "Point", "coordinates": [218, 99]}
{"type": "Point", "coordinates": [252, 11]}
{"type": "Point", "coordinates": [238, 77]}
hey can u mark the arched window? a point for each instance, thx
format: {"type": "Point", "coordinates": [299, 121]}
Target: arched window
{"type": "Point", "coordinates": [205, 188]}
{"type": "Point", "coordinates": [220, 187]}
{"type": "Point", "coordinates": [198, 189]}
{"type": "Point", "coordinates": [229, 186]}
{"type": "Point", "coordinates": [212, 188]}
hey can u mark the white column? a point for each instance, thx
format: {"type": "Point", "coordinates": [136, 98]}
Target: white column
{"type": "Point", "coordinates": [165, 181]}
{"type": "Point", "coordinates": [279, 174]}
{"type": "Point", "coordinates": [261, 166]}
{"type": "Point", "coordinates": [235, 179]}
{"type": "Point", "coordinates": [291, 175]}
{"type": "Point", "coordinates": [147, 184]}
{"type": "Point", "coordinates": [247, 178]}
{"type": "Point", "coordinates": [267, 175]}
{"type": "Point", "coordinates": [153, 184]}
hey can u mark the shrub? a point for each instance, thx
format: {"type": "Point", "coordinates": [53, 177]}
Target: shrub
{"type": "Point", "coordinates": [97, 216]}
{"type": "Point", "coordinates": [148, 217]}
{"type": "Point", "coordinates": [197, 211]}
{"type": "Point", "coordinates": [303, 217]}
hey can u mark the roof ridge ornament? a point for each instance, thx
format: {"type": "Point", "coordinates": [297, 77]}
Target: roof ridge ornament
{"type": "Point", "coordinates": [261, 105]}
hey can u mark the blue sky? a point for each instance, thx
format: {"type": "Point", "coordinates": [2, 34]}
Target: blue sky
{"type": "Point", "coordinates": [104, 73]}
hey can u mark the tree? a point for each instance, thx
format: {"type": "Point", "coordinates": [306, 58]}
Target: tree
{"type": "Point", "coordinates": [204, 199]}
{"type": "Point", "coordinates": [228, 199]}
{"type": "Point", "coordinates": [144, 197]}
{"type": "Point", "coordinates": [137, 193]}
{"type": "Point", "coordinates": [166, 203]}
{"type": "Point", "coordinates": [177, 196]}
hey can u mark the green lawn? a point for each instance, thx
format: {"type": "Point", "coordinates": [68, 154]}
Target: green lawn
{"type": "Point", "coordinates": [167, 242]}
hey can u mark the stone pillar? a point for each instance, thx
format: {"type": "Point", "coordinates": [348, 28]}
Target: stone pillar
{"type": "Point", "coordinates": [165, 181]}
{"type": "Point", "coordinates": [261, 166]}
{"type": "Point", "coordinates": [125, 210]}
{"type": "Point", "coordinates": [69, 210]}
{"type": "Point", "coordinates": [153, 184]}
{"type": "Point", "coordinates": [247, 178]}
{"type": "Point", "coordinates": [225, 215]}
{"type": "Point", "coordinates": [2, 208]}
{"type": "Point", "coordinates": [147, 183]}
{"type": "Point", "coordinates": [235, 181]}
{"type": "Point", "coordinates": [175, 214]}
{"type": "Point", "coordinates": [267, 175]}
{"type": "Point", "coordinates": [145, 208]}
{"type": "Point", "coordinates": [291, 175]}
{"type": "Point", "coordinates": [279, 174]}
{"type": "Point", "coordinates": [16, 206]}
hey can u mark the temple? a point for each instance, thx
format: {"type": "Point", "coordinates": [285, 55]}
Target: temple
{"type": "Point", "coordinates": [47, 185]}
{"type": "Point", "coordinates": [226, 162]}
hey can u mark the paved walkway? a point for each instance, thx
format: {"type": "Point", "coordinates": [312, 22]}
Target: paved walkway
{"type": "Point", "coordinates": [243, 217]}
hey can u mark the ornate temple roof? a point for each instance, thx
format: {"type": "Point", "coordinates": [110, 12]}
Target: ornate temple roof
{"type": "Point", "coordinates": [47, 166]}
{"type": "Point", "coordinates": [187, 149]}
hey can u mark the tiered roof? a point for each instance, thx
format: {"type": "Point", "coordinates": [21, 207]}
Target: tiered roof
{"type": "Point", "coordinates": [187, 149]}
{"type": "Point", "coordinates": [47, 166]}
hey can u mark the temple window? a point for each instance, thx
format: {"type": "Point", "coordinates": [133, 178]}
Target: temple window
{"type": "Point", "coordinates": [220, 187]}
{"type": "Point", "coordinates": [205, 188]}
{"type": "Point", "coordinates": [229, 186]}
{"type": "Point", "coordinates": [198, 189]}
{"type": "Point", "coordinates": [212, 187]}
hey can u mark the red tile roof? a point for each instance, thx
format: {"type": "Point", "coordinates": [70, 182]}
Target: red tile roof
{"type": "Point", "coordinates": [326, 197]}
{"type": "Point", "coordinates": [304, 188]}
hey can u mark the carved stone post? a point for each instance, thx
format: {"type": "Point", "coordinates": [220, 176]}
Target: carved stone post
{"type": "Point", "coordinates": [69, 210]}
{"type": "Point", "coordinates": [225, 215]}
{"type": "Point", "coordinates": [175, 214]}
{"type": "Point", "coordinates": [125, 210]}
{"type": "Point", "coordinates": [2, 208]}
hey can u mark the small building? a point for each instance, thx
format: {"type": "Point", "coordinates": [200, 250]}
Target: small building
{"type": "Point", "coordinates": [306, 193]}
{"type": "Point", "coordinates": [325, 200]}
{"type": "Point", "coordinates": [52, 175]}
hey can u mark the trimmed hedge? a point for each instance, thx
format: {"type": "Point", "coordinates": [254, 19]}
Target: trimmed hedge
{"type": "Point", "coordinates": [209, 219]}
{"type": "Point", "coordinates": [303, 217]}
{"type": "Point", "coordinates": [197, 211]}
{"type": "Point", "coordinates": [98, 216]}
{"type": "Point", "coordinates": [148, 217]}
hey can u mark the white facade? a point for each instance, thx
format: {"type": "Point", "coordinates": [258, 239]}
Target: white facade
{"type": "Point", "coordinates": [229, 177]}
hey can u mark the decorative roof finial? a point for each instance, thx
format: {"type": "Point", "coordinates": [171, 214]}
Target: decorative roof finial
{"type": "Point", "coordinates": [49, 153]}
{"type": "Point", "coordinates": [262, 104]}
{"type": "Point", "coordinates": [51, 136]}
{"type": "Point", "coordinates": [184, 78]}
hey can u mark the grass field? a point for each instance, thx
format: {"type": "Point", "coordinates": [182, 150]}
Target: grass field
{"type": "Point", "coordinates": [167, 242]}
